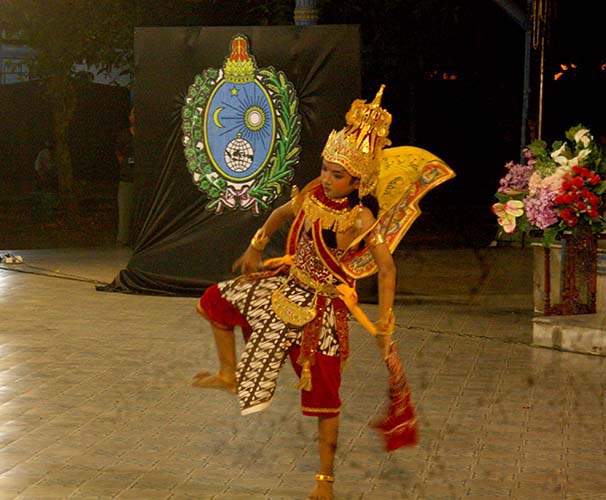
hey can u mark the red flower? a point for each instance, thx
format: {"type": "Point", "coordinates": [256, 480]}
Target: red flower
{"type": "Point", "coordinates": [569, 218]}
{"type": "Point", "coordinates": [572, 221]}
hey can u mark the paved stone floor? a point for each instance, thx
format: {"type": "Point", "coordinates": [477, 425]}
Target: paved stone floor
{"type": "Point", "coordinates": [96, 403]}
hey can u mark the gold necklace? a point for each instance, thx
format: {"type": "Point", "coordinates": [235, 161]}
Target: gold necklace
{"type": "Point", "coordinates": [335, 219]}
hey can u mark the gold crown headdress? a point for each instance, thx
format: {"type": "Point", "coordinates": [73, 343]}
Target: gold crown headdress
{"type": "Point", "coordinates": [239, 66]}
{"type": "Point", "coordinates": [358, 146]}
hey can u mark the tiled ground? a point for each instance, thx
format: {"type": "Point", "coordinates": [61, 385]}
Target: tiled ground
{"type": "Point", "coordinates": [95, 401]}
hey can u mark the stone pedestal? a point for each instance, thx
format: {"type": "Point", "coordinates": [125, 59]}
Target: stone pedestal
{"type": "Point", "coordinates": [583, 333]}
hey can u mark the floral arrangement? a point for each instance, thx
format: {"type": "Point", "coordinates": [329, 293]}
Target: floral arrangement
{"type": "Point", "coordinates": [555, 189]}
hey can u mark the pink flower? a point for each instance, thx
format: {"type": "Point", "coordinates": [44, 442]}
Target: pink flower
{"type": "Point", "coordinates": [516, 179]}
{"type": "Point", "coordinates": [529, 157]}
{"type": "Point", "coordinates": [561, 186]}
{"type": "Point", "coordinates": [507, 214]}
{"type": "Point", "coordinates": [540, 208]}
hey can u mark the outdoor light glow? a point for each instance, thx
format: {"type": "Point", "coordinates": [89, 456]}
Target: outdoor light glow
{"type": "Point", "coordinates": [440, 75]}
{"type": "Point", "coordinates": [564, 68]}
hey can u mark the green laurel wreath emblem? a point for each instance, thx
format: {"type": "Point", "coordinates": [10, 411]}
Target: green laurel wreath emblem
{"type": "Point", "coordinates": [274, 176]}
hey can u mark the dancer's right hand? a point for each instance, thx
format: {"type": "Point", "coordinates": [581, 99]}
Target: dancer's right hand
{"type": "Point", "coordinates": [248, 262]}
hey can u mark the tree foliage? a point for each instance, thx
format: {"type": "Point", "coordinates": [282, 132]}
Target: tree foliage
{"type": "Point", "coordinates": [68, 32]}
{"type": "Point", "coordinates": [62, 35]}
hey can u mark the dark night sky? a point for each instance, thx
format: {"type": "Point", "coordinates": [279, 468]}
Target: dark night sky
{"type": "Point", "coordinates": [577, 32]}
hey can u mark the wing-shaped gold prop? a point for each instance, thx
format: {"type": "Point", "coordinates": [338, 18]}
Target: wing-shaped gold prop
{"type": "Point", "coordinates": [407, 173]}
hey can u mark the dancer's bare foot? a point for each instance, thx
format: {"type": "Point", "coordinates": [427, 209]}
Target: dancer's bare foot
{"type": "Point", "coordinates": [202, 374]}
{"type": "Point", "coordinates": [216, 381]}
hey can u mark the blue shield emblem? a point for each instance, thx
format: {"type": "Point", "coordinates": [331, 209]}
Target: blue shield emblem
{"type": "Point", "coordinates": [241, 130]}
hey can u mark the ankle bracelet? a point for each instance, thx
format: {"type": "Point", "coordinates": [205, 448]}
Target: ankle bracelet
{"type": "Point", "coordinates": [325, 477]}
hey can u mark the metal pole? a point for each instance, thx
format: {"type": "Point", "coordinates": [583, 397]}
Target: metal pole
{"type": "Point", "coordinates": [540, 20]}
{"type": "Point", "coordinates": [523, 20]}
{"type": "Point", "coordinates": [541, 85]}
{"type": "Point", "coordinates": [526, 90]}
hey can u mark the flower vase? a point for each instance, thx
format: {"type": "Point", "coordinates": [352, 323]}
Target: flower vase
{"type": "Point", "coordinates": [579, 275]}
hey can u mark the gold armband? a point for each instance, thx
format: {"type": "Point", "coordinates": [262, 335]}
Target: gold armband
{"type": "Point", "coordinates": [259, 240]}
{"type": "Point", "coordinates": [386, 326]}
{"type": "Point", "coordinates": [376, 238]}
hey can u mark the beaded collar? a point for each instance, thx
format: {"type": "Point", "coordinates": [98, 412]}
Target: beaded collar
{"type": "Point", "coordinates": [335, 215]}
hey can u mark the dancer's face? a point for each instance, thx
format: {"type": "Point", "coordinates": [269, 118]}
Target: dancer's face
{"type": "Point", "coordinates": [336, 181]}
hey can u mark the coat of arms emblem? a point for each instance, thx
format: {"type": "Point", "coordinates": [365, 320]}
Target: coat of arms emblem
{"type": "Point", "coordinates": [241, 132]}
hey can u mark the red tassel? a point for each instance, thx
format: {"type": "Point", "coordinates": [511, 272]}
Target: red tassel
{"type": "Point", "coordinates": [399, 426]}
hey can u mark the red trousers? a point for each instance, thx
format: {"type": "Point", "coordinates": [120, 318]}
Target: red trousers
{"type": "Point", "coordinates": [323, 399]}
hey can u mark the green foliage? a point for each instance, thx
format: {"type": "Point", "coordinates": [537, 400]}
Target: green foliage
{"type": "Point", "coordinates": [270, 184]}
{"type": "Point", "coordinates": [550, 235]}
{"type": "Point", "coordinates": [544, 162]}
{"type": "Point", "coordinates": [64, 33]}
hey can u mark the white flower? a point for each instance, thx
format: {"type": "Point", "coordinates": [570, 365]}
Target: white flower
{"type": "Point", "coordinates": [559, 151]}
{"type": "Point", "coordinates": [577, 160]}
{"type": "Point", "coordinates": [584, 153]}
{"type": "Point", "coordinates": [558, 157]}
{"type": "Point", "coordinates": [583, 136]}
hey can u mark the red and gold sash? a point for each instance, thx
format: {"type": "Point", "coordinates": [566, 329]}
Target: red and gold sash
{"type": "Point", "coordinates": [334, 209]}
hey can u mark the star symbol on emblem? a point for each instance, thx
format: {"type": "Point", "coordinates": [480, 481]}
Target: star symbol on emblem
{"type": "Point", "coordinates": [234, 91]}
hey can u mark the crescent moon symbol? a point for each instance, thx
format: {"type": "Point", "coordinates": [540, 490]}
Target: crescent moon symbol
{"type": "Point", "coordinates": [216, 118]}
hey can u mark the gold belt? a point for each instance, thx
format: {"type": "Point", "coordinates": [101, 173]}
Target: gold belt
{"type": "Point", "coordinates": [305, 280]}
{"type": "Point", "coordinates": [295, 314]}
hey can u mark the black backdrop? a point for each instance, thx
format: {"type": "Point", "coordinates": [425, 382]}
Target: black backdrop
{"type": "Point", "coordinates": [179, 247]}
